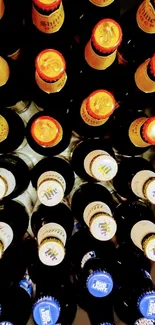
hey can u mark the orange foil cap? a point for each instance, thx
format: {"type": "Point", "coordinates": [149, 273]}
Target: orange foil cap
{"type": "Point", "coordinates": [152, 65]}
{"type": "Point", "coordinates": [47, 4]}
{"type": "Point", "coordinates": [50, 65]}
{"type": "Point", "coordinates": [106, 35]}
{"type": "Point", "coordinates": [45, 130]}
{"type": "Point", "coordinates": [148, 130]}
{"type": "Point", "coordinates": [100, 104]}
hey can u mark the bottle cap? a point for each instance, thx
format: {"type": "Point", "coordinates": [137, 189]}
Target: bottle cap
{"type": "Point", "coordinates": [152, 65]}
{"type": "Point", "coordinates": [50, 65]}
{"type": "Point", "coordinates": [50, 192]}
{"type": "Point", "coordinates": [144, 321]}
{"type": "Point", "coordinates": [51, 251]}
{"type": "Point", "coordinates": [149, 189]}
{"type": "Point", "coordinates": [3, 187]}
{"type": "Point", "coordinates": [100, 104]}
{"type": "Point", "coordinates": [46, 311]}
{"type": "Point", "coordinates": [4, 72]}
{"type": "Point", "coordinates": [148, 130]}
{"type": "Point", "coordinates": [47, 4]}
{"type": "Point", "coordinates": [106, 35]}
{"type": "Point", "coordinates": [102, 226]}
{"type": "Point", "coordinates": [103, 168]}
{"type": "Point", "coordinates": [99, 284]}
{"type": "Point", "coordinates": [146, 304]}
{"type": "Point", "coordinates": [4, 128]}
{"type": "Point", "coordinates": [46, 131]}
{"type": "Point", "coordinates": [5, 322]}
{"type": "Point", "coordinates": [149, 247]}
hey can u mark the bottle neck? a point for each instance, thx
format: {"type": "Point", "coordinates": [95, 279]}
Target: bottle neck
{"type": "Point", "coordinates": [88, 119]}
{"type": "Point", "coordinates": [146, 17]}
{"type": "Point", "coordinates": [102, 3]}
{"type": "Point", "coordinates": [136, 132]}
{"type": "Point", "coordinates": [96, 59]}
{"type": "Point", "coordinates": [144, 79]}
{"type": "Point", "coordinates": [2, 8]}
{"type": "Point", "coordinates": [51, 87]}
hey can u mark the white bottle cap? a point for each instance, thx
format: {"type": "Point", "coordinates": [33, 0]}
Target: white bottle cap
{"type": "Point", "coordinates": [50, 192]}
{"type": "Point", "coordinates": [149, 247]}
{"type": "Point", "coordinates": [3, 187]}
{"type": "Point", "coordinates": [149, 190]}
{"type": "Point", "coordinates": [51, 252]}
{"type": "Point", "coordinates": [103, 226]}
{"type": "Point", "coordinates": [104, 168]}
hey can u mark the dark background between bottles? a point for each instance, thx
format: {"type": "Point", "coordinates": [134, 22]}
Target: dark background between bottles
{"type": "Point", "coordinates": [81, 317]}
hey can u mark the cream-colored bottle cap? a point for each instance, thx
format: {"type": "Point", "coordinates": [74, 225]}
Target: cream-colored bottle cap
{"type": "Point", "coordinates": [104, 168]}
{"type": "Point", "coordinates": [51, 252]}
{"type": "Point", "coordinates": [149, 247]}
{"type": "Point", "coordinates": [3, 187]}
{"type": "Point", "coordinates": [50, 192]}
{"type": "Point", "coordinates": [102, 226]}
{"type": "Point", "coordinates": [149, 190]}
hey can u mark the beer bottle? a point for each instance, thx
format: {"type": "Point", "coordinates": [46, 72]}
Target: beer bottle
{"type": "Point", "coordinates": [137, 301]}
{"type": "Point", "coordinates": [136, 130]}
{"type": "Point", "coordinates": [16, 303]}
{"type": "Point", "coordinates": [91, 268]}
{"type": "Point", "coordinates": [52, 231]}
{"type": "Point", "coordinates": [135, 177]}
{"type": "Point", "coordinates": [48, 23]}
{"type": "Point", "coordinates": [93, 159]}
{"type": "Point", "coordinates": [51, 85]}
{"type": "Point", "coordinates": [92, 117]}
{"type": "Point", "coordinates": [101, 314]}
{"type": "Point", "coordinates": [95, 65]}
{"type": "Point", "coordinates": [132, 216]}
{"type": "Point", "coordinates": [48, 134]}
{"type": "Point", "coordinates": [142, 31]}
{"type": "Point", "coordinates": [95, 210]}
{"type": "Point", "coordinates": [54, 179]}
{"type": "Point", "coordinates": [11, 28]}
{"type": "Point", "coordinates": [90, 12]}
{"type": "Point", "coordinates": [14, 176]}
{"type": "Point", "coordinates": [55, 300]}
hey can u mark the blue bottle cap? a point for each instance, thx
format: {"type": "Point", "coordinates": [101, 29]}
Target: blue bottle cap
{"type": "Point", "coordinates": [99, 284]}
{"type": "Point", "coordinates": [26, 284]}
{"type": "Point", "coordinates": [46, 311]}
{"type": "Point", "coordinates": [146, 305]}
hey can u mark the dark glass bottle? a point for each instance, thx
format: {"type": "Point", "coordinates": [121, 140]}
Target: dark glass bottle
{"type": "Point", "coordinates": [132, 132]}
{"type": "Point", "coordinates": [134, 302]}
{"type": "Point", "coordinates": [55, 301]}
{"type": "Point", "coordinates": [89, 13]}
{"type": "Point", "coordinates": [95, 210]}
{"type": "Point", "coordinates": [48, 135]}
{"type": "Point", "coordinates": [52, 230]}
{"type": "Point", "coordinates": [54, 180]}
{"type": "Point", "coordinates": [51, 87]}
{"type": "Point", "coordinates": [135, 177]}
{"type": "Point", "coordinates": [14, 176]}
{"type": "Point", "coordinates": [11, 28]}
{"type": "Point", "coordinates": [91, 268]}
{"type": "Point", "coordinates": [135, 222]}
{"type": "Point", "coordinates": [16, 303]}
{"type": "Point", "coordinates": [12, 131]}
{"type": "Point", "coordinates": [93, 159]}
{"type": "Point", "coordinates": [92, 117]}
{"type": "Point", "coordinates": [13, 90]}
{"type": "Point", "coordinates": [101, 314]}
{"type": "Point", "coordinates": [138, 40]}
{"type": "Point", "coordinates": [95, 64]}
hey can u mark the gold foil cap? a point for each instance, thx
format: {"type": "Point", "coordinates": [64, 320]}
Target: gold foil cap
{"type": "Point", "coordinates": [149, 190]}
{"type": "Point", "coordinates": [149, 247]}
{"type": "Point", "coordinates": [4, 72]}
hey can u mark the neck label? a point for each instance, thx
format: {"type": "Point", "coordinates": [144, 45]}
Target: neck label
{"type": "Point", "coordinates": [10, 180]}
{"type": "Point", "coordinates": [144, 321]}
{"type": "Point", "coordinates": [26, 284]}
{"type": "Point", "coordinates": [135, 133]}
{"type": "Point", "coordinates": [101, 3]}
{"type": "Point", "coordinates": [15, 55]}
{"type": "Point", "coordinates": [2, 8]}
{"type": "Point", "coordinates": [52, 230]}
{"type": "Point", "coordinates": [146, 17]}
{"type": "Point", "coordinates": [6, 234]}
{"type": "Point", "coordinates": [87, 257]}
{"type": "Point", "coordinates": [96, 61]}
{"type": "Point", "coordinates": [48, 23]}
{"type": "Point", "coordinates": [89, 119]}
{"type": "Point", "coordinates": [142, 80]}
{"type": "Point", "coordinates": [51, 87]}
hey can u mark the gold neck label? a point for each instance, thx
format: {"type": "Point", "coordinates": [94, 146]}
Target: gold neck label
{"type": "Point", "coordinates": [88, 119]}
{"type": "Point", "coordinates": [51, 87]}
{"type": "Point", "coordinates": [51, 23]}
{"type": "Point", "coordinates": [4, 72]}
{"type": "Point", "coordinates": [14, 56]}
{"type": "Point", "coordinates": [120, 59]}
{"type": "Point", "coordinates": [2, 8]}
{"type": "Point", "coordinates": [101, 3]}
{"type": "Point", "coordinates": [142, 80]}
{"type": "Point", "coordinates": [146, 17]}
{"type": "Point", "coordinates": [135, 133]}
{"type": "Point", "coordinates": [96, 61]}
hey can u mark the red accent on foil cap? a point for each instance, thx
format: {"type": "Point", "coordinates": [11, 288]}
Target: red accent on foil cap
{"type": "Point", "coordinates": [47, 7]}
{"type": "Point", "coordinates": [146, 131]}
{"type": "Point", "coordinates": [152, 65]}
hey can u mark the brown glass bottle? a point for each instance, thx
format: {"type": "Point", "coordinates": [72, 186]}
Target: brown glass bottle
{"type": "Point", "coordinates": [48, 135]}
